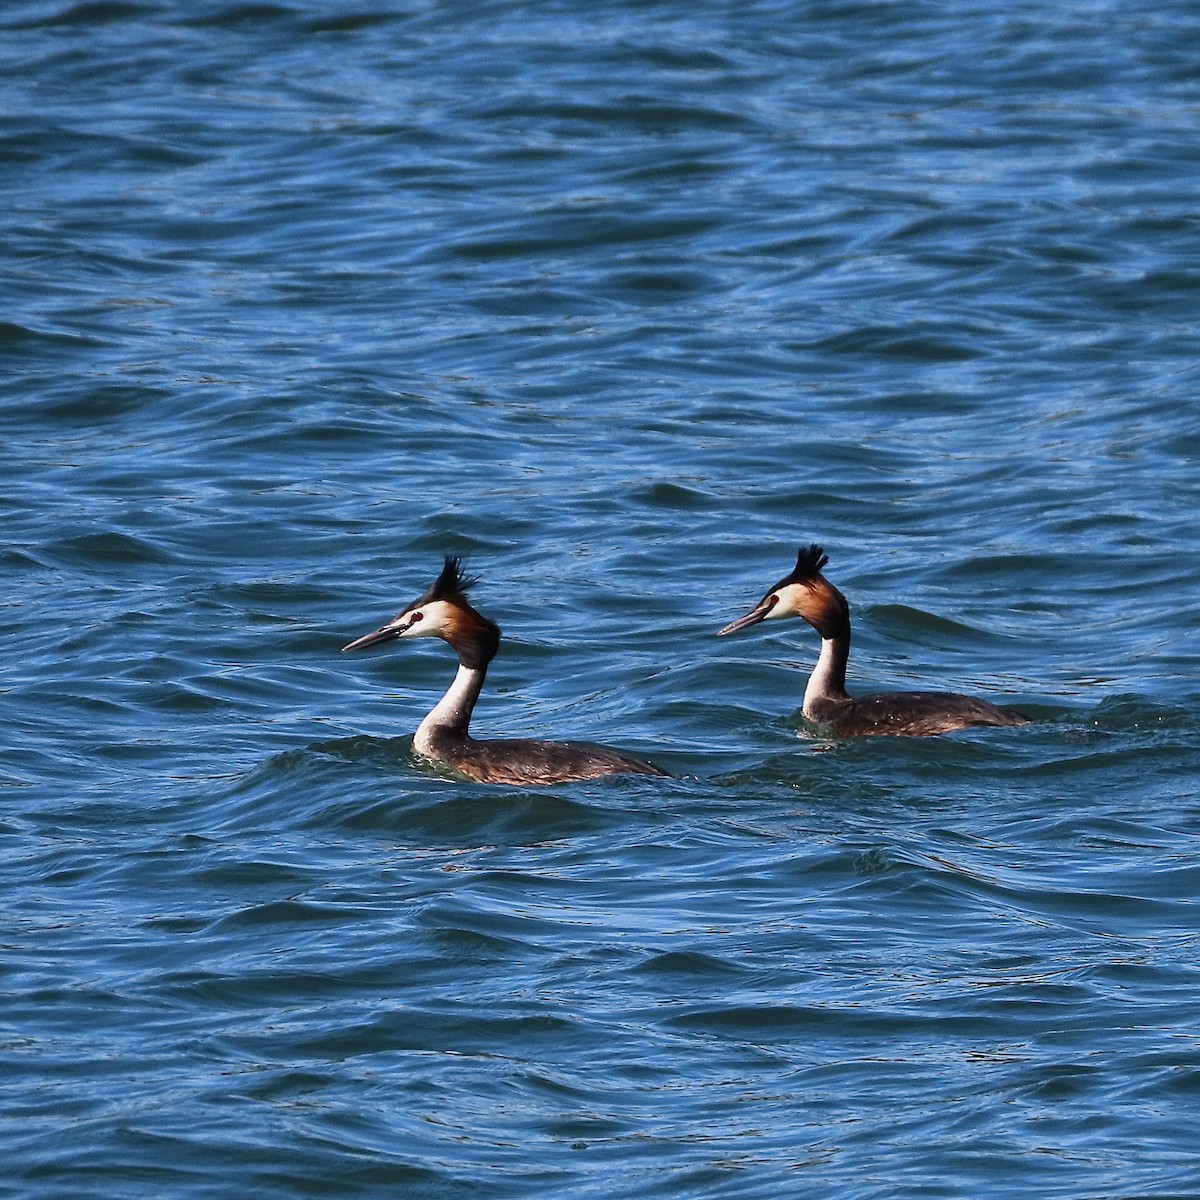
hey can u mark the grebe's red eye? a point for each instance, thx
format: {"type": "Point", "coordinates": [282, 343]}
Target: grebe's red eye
{"type": "Point", "coordinates": [418, 616]}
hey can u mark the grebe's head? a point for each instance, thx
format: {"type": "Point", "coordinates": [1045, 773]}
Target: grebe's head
{"type": "Point", "coordinates": [806, 593]}
{"type": "Point", "coordinates": [443, 611]}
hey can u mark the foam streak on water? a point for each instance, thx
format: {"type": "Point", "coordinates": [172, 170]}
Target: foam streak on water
{"type": "Point", "coordinates": [621, 304]}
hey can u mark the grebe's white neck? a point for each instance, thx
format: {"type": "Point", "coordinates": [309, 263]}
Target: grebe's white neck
{"type": "Point", "coordinates": [452, 713]}
{"type": "Point", "coordinates": [828, 678]}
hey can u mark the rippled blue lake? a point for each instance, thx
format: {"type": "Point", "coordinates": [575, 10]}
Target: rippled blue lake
{"type": "Point", "coordinates": [622, 304]}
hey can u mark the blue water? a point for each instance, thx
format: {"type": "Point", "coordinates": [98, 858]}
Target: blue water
{"type": "Point", "coordinates": [621, 303]}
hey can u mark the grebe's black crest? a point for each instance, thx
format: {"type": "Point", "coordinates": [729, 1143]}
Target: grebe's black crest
{"type": "Point", "coordinates": [808, 565]}
{"type": "Point", "coordinates": [453, 581]}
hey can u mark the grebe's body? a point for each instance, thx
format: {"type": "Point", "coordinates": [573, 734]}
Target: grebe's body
{"type": "Point", "coordinates": [807, 593]}
{"type": "Point", "coordinates": [443, 611]}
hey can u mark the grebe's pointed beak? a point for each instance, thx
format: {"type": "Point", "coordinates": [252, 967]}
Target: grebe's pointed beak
{"type": "Point", "coordinates": [390, 631]}
{"type": "Point", "coordinates": [759, 613]}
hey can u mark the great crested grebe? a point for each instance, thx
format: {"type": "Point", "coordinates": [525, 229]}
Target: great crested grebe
{"type": "Point", "coordinates": [807, 593]}
{"type": "Point", "coordinates": [445, 612]}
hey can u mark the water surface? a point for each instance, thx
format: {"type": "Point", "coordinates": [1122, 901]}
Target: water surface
{"type": "Point", "coordinates": [622, 304]}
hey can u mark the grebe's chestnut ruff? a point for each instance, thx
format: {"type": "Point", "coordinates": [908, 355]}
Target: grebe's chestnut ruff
{"type": "Point", "coordinates": [445, 612]}
{"type": "Point", "coordinates": [807, 593]}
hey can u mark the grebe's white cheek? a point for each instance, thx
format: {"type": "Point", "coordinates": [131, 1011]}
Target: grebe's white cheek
{"type": "Point", "coordinates": [784, 604]}
{"type": "Point", "coordinates": [413, 624]}
{"type": "Point", "coordinates": [774, 603]}
{"type": "Point", "coordinates": [430, 620]}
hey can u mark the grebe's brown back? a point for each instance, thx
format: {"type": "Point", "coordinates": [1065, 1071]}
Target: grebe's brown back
{"type": "Point", "coordinates": [444, 611]}
{"type": "Point", "coordinates": [807, 593]}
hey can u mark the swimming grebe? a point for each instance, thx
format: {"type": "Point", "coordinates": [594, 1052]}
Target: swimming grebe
{"type": "Point", "coordinates": [443, 611]}
{"type": "Point", "coordinates": [807, 593]}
